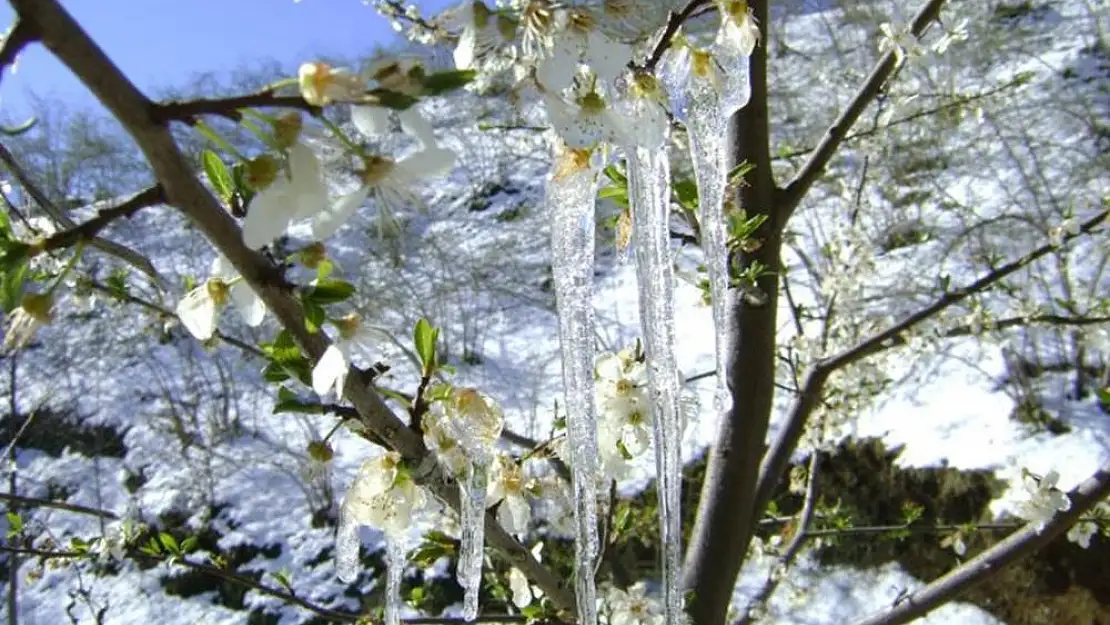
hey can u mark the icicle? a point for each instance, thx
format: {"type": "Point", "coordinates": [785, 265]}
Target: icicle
{"type": "Point", "coordinates": [570, 196]}
{"type": "Point", "coordinates": [395, 557]}
{"type": "Point", "coordinates": [649, 184]}
{"type": "Point", "coordinates": [707, 127]}
{"type": "Point", "coordinates": [473, 517]}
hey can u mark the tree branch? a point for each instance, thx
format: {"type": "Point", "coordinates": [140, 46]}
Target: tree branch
{"type": "Point", "coordinates": [187, 111]}
{"type": "Point", "coordinates": [1018, 545]}
{"type": "Point", "coordinates": [72, 45]}
{"type": "Point", "coordinates": [89, 230]}
{"type": "Point", "coordinates": [35, 502]}
{"type": "Point", "coordinates": [796, 189]}
{"type": "Point", "coordinates": [17, 38]}
{"type": "Point", "coordinates": [674, 22]}
{"type": "Point", "coordinates": [778, 456]}
{"type": "Point", "coordinates": [111, 248]}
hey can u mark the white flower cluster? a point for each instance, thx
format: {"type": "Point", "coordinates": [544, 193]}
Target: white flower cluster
{"type": "Point", "coordinates": [633, 606]}
{"type": "Point", "coordinates": [1044, 501]}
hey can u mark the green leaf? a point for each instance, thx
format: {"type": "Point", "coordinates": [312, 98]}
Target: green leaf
{"type": "Point", "coordinates": [169, 543]}
{"type": "Point", "coordinates": [314, 317]}
{"type": "Point", "coordinates": [326, 292]}
{"type": "Point", "coordinates": [189, 544]}
{"type": "Point", "coordinates": [424, 339]}
{"type": "Point", "coordinates": [1104, 395]}
{"type": "Point", "coordinates": [218, 174]}
{"type": "Point", "coordinates": [687, 193]}
{"type": "Point", "coordinates": [440, 82]}
{"type": "Point", "coordinates": [391, 99]}
{"type": "Point", "coordinates": [612, 172]}
{"type": "Point", "coordinates": [296, 405]}
{"type": "Point", "coordinates": [15, 524]}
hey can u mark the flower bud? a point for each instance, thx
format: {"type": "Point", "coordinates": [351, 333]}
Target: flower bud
{"type": "Point", "coordinates": [313, 255]}
{"type": "Point", "coordinates": [261, 172]}
{"type": "Point", "coordinates": [320, 451]}
{"type": "Point", "coordinates": [217, 291]}
{"type": "Point", "coordinates": [287, 129]}
{"type": "Point", "coordinates": [39, 306]}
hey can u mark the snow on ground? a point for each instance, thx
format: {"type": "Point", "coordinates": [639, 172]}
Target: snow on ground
{"type": "Point", "coordinates": [200, 433]}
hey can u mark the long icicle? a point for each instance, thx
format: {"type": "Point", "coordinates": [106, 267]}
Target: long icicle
{"type": "Point", "coordinates": [394, 569]}
{"type": "Point", "coordinates": [707, 128]}
{"type": "Point", "coordinates": [570, 196]}
{"type": "Point", "coordinates": [649, 181]}
{"type": "Point", "coordinates": [472, 516]}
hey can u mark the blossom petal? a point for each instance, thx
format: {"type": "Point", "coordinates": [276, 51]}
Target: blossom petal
{"type": "Point", "coordinates": [415, 124]}
{"type": "Point", "coordinates": [197, 312]}
{"type": "Point", "coordinates": [268, 215]}
{"type": "Point", "coordinates": [371, 121]}
{"type": "Point", "coordinates": [328, 222]}
{"type": "Point", "coordinates": [329, 372]}
{"type": "Point", "coordinates": [249, 305]}
{"type": "Point", "coordinates": [518, 583]}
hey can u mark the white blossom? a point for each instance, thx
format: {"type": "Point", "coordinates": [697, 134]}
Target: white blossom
{"type": "Point", "coordinates": [523, 592]}
{"type": "Point", "coordinates": [633, 606]}
{"type": "Point", "coordinates": [331, 370]}
{"type": "Point", "coordinates": [739, 29]}
{"type": "Point", "coordinates": [1081, 533]}
{"type": "Point", "coordinates": [1045, 500]}
{"type": "Point", "coordinates": [300, 194]}
{"type": "Point", "coordinates": [508, 486]}
{"type": "Point", "coordinates": [321, 84]}
{"type": "Point", "coordinates": [578, 39]}
{"type": "Point", "coordinates": [199, 309]}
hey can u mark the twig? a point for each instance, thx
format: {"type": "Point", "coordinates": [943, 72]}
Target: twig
{"type": "Point", "coordinates": [89, 230]}
{"type": "Point", "coordinates": [674, 22]}
{"type": "Point", "coordinates": [796, 189]}
{"type": "Point", "coordinates": [777, 458]}
{"type": "Point", "coordinates": [187, 111]}
{"type": "Point", "coordinates": [1013, 548]}
{"type": "Point", "coordinates": [17, 38]}
{"type": "Point", "coordinates": [111, 248]}
{"type": "Point", "coordinates": [58, 505]}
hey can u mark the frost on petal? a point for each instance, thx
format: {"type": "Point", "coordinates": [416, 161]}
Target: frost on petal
{"type": "Point", "coordinates": [607, 57]}
{"type": "Point", "coordinates": [248, 304]}
{"type": "Point", "coordinates": [518, 583]}
{"type": "Point", "coordinates": [328, 222]}
{"type": "Point", "coordinates": [556, 72]}
{"type": "Point", "coordinates": [330, 372]}
{"type": "Point", "coordinates": [415, 124]}
{"type": "Point", "coordinates": [515, 514]}
{"type": "Point", "coordinates": [371, 121]}
{"type": "Point", "coordinates": [197, 311]}
{"type": "Point", "coordinates": [268, 215]}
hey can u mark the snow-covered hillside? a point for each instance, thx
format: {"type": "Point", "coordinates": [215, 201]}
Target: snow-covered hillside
{"type": "Point", "coordinates": [126, 412]}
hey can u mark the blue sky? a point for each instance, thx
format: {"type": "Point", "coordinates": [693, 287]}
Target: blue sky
{"type": "Point", "coordinates": [162, 43]}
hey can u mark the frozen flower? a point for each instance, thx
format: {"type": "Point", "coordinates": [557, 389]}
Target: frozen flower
{"type": "Point", "coordinates": [480, 34]}
{"type": "Point", "coordinates": [113, 545]}
{"type": "Point", "coordinates": [439, 441]}
{"type": "Point", "coordinates": [1081, 533]}
{"type": "Point", "coordinates": [383, 496]}
{"type": "Point", "coordinates": [331, 370]}
{"type": "Point", "coordinates": [300, 194]}
{"type": "Point", "coordinates": [578, 39]}
{"type": "Point", "coordinates": [902, 42]}
{"type": "Point", "coordinates": [322, 84]}
{"type": "Point", "coordinates": [390, 181]}
{"type": "Point", "coordinates": [585, 121]}
{"type": "Point", "coordinates": [643, 112]}
{"type": "Point", "coordinates": [955, 540]}
{"type": "Point", "coordinates": [1068, 227]}
{"type": "Point", "coordinates": [35, 311]}
{"type": "Point", "coordinates": [621, 385]}
{"type": "Point", "coordinates": [200, 308]}
{"type": "Point", "coordinates": [739, 29]}
{"type": "Point", "coordinates": [633, 606]}
{"type": "Point", "coordinates": [1045, 500]}
{"type": "Point", "coordinates": [956, 33]}
{"type": "Point", "coordinates": [508, 487]}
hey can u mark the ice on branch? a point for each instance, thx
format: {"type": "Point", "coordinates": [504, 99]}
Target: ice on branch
{"type": "Point", "coordinates": [1045, 500]}
{"type": "Point", "coordinates": [353, 337]}
{"type": "Point", "coordinates": [570, 196]}
{"type": "Point", "coordinates": [200, 308]}
{"type": "Point", "coordinates": [469, 424]}
{"type": "Point", "coordinates": [297, 193]}
{"type": "Point", "coordinates": [384, 496]}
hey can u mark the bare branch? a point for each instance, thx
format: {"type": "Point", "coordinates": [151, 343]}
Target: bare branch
{"type": "Point", "coordinates": [72, 45]}
{"type": "Point", "coordinates": [793, 193]}
{"type": "Point", "coordinates": [1013, 548]}
{"type": "Point", "coordinates": [34, 502]}
{"type": "Point", "coordinates": [778, 456]}
{"type": "Point", "coordinates": [112, 248]}
{"type": "Point", "coordinates": [88, 230]}
{"type": "Point", "coordinates": [187, 111]}
{"type": "Point", "coordinates": [17, 38]}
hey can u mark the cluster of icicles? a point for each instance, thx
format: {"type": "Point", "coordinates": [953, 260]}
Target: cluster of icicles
{"type": "Point", "coordinates": [704, 100]}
